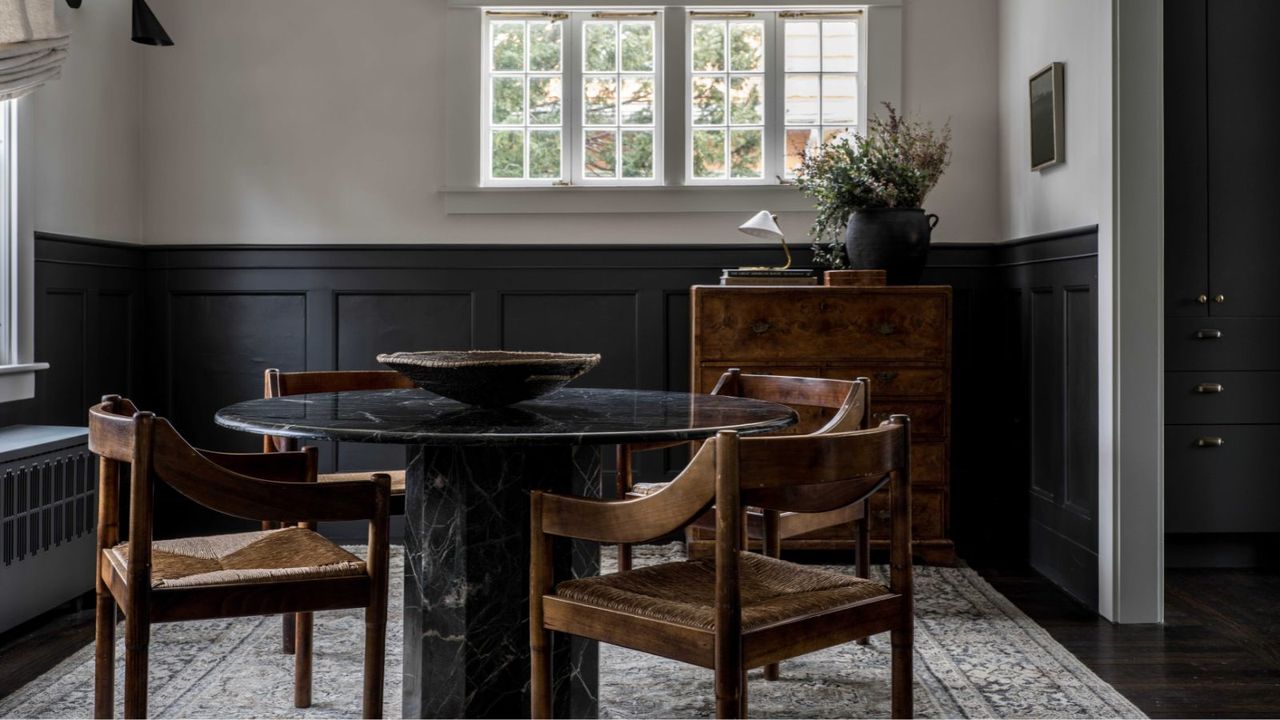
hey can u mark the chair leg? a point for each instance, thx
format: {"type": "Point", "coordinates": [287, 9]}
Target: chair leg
{"type": "Point", "coordinates": [730, 692]}
{"type": "Point", "coordinates": [540, 675]}
{"type": "Point", "coordinates": [137, 636]}
{"type": "Point", "coordinates": [901, 651]}
{"type": "Point", "coordinates": [742, 707]}
{"type": "Point", "coordinates": [375, 651]}
{"type": "Point", "coordinates": [862, 530]}
{"type": "Point", "coordinates": [773, 549]}
{"type": "Point", "coordinates": [104, 656]}
{"type": "Point", "coordinates": [623, 475]}
{"type": "Point", "coordinates": [302, 660]}
{"type": "Point", "coordinates": [288, 633]}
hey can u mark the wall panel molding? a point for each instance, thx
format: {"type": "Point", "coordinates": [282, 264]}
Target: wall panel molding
{"type": "Point", "coordinates": [352, 301]}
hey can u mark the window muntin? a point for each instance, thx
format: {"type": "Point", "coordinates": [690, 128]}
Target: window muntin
{"type": "Point", "coordinates": [727, 99]}
{"type": "Point", "coordinates": [820, 75]}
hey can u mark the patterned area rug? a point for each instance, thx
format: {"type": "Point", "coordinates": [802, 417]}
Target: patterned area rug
{"type": "Point", "coordinates": [976, 656]}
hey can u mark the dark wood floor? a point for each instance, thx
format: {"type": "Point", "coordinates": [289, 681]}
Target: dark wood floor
{"type": "Point", "coordinates": [1217, 655]}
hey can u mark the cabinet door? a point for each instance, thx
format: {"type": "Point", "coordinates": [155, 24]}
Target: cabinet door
{"type": "Point", "coordinates": [1186, 236]}
{"type": "Point", "coordinates": [1244, 157]}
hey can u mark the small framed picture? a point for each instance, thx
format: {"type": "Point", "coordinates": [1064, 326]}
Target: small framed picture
{"type": "Point", "coordinates": [1048, 136]}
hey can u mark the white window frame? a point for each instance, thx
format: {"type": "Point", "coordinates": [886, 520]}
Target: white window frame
{"type": "Point", "coordinates": [772, 104]}
{"type": "Point", "coordinates": [17, 268]}
{"type": "Point", "coordinates": [578, 129]}
{"type": "Point", "coordinates": [8, 231]}
{"type": "Point", "coordinates": [572, 76]}
{"type": "Point", "coordinates": [780, 71]}
{"type": "Point", "coordinates": [463, 191]}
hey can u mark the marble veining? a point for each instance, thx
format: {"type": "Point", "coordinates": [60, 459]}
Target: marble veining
{"type": "Point", "coordinates": [573, 416]}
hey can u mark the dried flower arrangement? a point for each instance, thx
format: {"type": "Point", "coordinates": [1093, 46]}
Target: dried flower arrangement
{"type": "Point", "coordinates": [893, 165]}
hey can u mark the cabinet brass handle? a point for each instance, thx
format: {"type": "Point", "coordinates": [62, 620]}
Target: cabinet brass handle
{"type": "Point", "coordinates": [760, 328]}
{"type": "Point", "coordinates": [1219, 298]}
{"type": "Point", "coordinates": [1203, 299]}
{"type": "Point", "coordinates": [1208, 334]}
{"type": "Point", "coordinates": [1209, 442]}
{"type": "Point", "coordinates": [885, 328]}
{"type": "Point", "coordinates": [1209, 388]}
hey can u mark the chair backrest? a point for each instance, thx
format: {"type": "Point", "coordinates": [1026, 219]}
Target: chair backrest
{"type": "Point", "coordinates": [849, 399]}
{"type": "Point", "coordinates": [837, 469]}
{"type": "Point", "coordinates": [282, 384]}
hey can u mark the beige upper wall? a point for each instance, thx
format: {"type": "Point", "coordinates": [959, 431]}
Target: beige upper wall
{"type": "Point", "coordinates": [1033, 33]}
{"type": "Point", "coordinates": [87, 178]}
{"type": "Point", "coordinates": [301, 121]}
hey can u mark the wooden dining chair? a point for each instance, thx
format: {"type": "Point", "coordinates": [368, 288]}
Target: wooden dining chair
{"type": "Point", "coordinates": [851, 405]}
{"type": "Point", "coordinates": [738, 610]}
{"type": "Point", "coordinates": [289, 569]}
{"type": "Point", "coordinates": [282, 384]}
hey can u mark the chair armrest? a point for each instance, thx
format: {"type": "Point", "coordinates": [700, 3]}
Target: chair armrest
{"type": "Point", "coordinates": [634, 520]}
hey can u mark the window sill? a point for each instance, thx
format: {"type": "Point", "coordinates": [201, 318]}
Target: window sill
{"type": "Point", "coordinates": [18, 381]}
{"type": "Point", "coordinates": [649, 199]}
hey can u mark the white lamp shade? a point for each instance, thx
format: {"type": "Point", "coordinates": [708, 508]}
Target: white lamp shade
{"type": "Point", "coordinates": [762, 225]}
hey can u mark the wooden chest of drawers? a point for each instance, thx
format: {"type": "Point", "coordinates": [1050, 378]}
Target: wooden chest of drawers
{"type": "Point", "coordinates": [899, 337]}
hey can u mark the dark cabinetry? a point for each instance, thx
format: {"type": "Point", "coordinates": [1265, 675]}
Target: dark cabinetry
{"type": "Point", "coordinates": [1222, 267]}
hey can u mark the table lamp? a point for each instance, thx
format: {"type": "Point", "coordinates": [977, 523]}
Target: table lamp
{"type": "Point", "coordinates": [764, 224]}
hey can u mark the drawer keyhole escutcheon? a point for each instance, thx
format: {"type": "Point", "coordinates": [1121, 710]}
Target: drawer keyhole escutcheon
{"type": "Point", "coordinates": [1206, 388]}
{"type": "Point", "coordinates": [1205, 442]}
{"type": "Point", "coordinates": [886, 328]}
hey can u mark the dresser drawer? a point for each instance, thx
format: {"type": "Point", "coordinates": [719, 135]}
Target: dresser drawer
{"type": "Point", "coordinates": [928, 514]}
{"type": "Point", "coordinates": [1211, 397]}
{"type": "Point", "coordinates": [929, 464]}
{"type": "Point", "coordinates": [1240, 344]}
{"type": "Point", "coordinates": [896, 380]}
{"type": "Point", "coordinates": [927, 418]}
{"type": "Point", "coordinates": [1232, 488]}
{"type": "Point", "coordinates": [768, 325]}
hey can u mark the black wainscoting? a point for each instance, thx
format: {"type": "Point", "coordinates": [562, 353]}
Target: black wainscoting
{"type": "Point", "coordinates": [203, 322]}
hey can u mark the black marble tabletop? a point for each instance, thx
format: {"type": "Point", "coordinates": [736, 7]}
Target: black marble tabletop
{"type": "Point", "coordinates": [573, 416]}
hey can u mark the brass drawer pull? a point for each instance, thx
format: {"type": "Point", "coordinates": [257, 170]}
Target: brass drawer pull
{"type": "Point", "coordinates": [885, 328]}
{"type": "Point", "coordinates": [1209, 442]}
{"type": "Point", "coordinates": [760, 327]}
{"type": "Point", "coordinates": [1208, 334]}
{"type": "Point", "coordinates": [1209, 388]}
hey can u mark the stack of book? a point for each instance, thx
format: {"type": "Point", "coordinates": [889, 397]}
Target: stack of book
{"type": "Point", "coordinates": [767, 276]}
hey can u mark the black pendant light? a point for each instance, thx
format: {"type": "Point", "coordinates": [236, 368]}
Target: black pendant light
{"type": "Point", "coordinates": [147, 30]}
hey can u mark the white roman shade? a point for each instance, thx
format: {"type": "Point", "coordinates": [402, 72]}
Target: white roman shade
{"type": "Point", "coordinates": [33, 46]}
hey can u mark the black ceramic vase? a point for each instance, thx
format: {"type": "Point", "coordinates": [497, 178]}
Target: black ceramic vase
{"type": "Point", "coordinates": [895, 240]}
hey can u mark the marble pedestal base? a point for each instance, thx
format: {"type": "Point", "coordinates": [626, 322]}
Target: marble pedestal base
{"type": "Point", "coordinates": [466, 606]}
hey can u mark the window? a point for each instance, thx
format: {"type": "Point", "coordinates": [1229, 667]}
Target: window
{"type": "Point", "coordinates": [820, 76]}
{"type": "Point", "coordinates": [8, 233]}
{"type": "Point", "coordinates": [576, 97]}
{"type": "Point", "coordinates": [605, 128]}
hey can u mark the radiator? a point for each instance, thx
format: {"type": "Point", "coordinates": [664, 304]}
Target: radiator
{"type": "Point", "coordinates": [48, 518]}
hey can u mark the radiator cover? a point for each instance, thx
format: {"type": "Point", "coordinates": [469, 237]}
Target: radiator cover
{"type": "Point", "coordinates": [48, 516]}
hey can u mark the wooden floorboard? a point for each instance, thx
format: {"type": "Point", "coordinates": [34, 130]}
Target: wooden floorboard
{"type": "Point", "coordinates": [1216, 656]}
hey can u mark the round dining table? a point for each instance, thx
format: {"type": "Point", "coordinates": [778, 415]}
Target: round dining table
{"type": "Point", "coordinates": [468, 476]}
